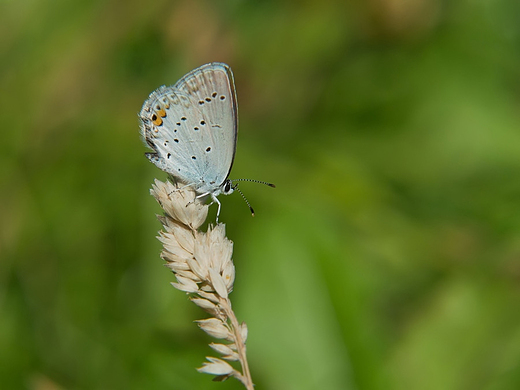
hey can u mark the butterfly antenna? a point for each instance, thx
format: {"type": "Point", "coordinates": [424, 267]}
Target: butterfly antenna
{"type": "Point", "coordinates": [256, 181]}
{"type": "Point", "coordinates": [235, 187]}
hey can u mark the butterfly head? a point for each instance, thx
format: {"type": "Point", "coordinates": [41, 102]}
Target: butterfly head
{"type": "Point", "coordinates": [227, 187]}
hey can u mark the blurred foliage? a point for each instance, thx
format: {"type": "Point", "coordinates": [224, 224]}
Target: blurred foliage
{"type": "Point", "coordinates": [388, 257]}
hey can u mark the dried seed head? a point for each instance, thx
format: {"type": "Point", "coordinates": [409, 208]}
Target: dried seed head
{"type": "Point", "coordinates": [226, 352]}
{"type": "Point", "coordinates": [215, 328]}
{"type": "Point", "coordinates": [209, 306]}
{"type": "Point", "coordinates": [180, 203]}
{"type": "Point", "coordinates": [203, 267]}
{"type": "Point", "coordinates": [218, 283]}
{"type": "Point", "coordinates": [216, 367]}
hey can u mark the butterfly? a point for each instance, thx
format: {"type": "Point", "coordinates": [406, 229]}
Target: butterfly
{"type": "Point", "coordinates": [192, 129]}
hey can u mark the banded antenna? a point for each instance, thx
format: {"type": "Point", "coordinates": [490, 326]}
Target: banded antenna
{"type": "Point", "coordinates": [235, 187]}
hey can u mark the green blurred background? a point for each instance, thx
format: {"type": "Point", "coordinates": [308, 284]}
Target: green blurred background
{"type": "Point", "coordinates": [388, 256]}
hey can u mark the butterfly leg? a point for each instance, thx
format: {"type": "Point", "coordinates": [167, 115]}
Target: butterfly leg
{"type": "Point", "coordinates": [198, 197]}
{"type": "Point", "coordinates": [179, 189]}
{"type": "Point", "coordinates": [213, 200]}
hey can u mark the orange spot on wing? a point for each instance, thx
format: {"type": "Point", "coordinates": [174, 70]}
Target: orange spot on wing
{"type": "Point", "coordinates": [161, 113]}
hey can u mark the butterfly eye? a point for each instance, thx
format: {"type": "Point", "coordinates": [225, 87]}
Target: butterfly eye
{"type": "Point", "coordinates": [227, 188]}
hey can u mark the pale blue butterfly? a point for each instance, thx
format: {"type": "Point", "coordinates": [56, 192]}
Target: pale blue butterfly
{"type": "Point", "coordinates": [192, 128]}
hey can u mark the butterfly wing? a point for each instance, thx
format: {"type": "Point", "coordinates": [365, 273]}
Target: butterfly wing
{"type": "Point", "coordinates": [212, 88]}
{"type": "Point", "coordinates": [192, 127]}
{"type": "Point", "coordinates": [164, 126]}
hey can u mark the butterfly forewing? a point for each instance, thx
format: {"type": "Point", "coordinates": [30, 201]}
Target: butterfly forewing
{"type": "Point", "coordinates": [212, 89]}
{"type": "Point", "coordinates": [192, 127]}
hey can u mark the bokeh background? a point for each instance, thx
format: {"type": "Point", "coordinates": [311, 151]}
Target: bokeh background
{"type": "Point", "coordinates": [388, 256]}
